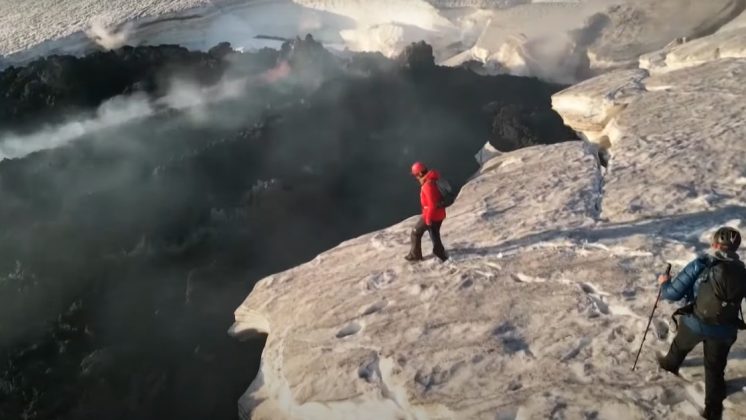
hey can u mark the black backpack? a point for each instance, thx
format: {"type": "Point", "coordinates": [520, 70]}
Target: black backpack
{"type": "Point", "coordinates": [447, 196]}
{"type": "Point", "coordinates": [720, 293]}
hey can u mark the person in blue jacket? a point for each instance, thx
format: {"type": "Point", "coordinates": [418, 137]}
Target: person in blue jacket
{"type": "Point", "coordinates": [717, 339]}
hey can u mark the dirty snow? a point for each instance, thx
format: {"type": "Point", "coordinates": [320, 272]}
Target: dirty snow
{"type": "Point", "coordinates": [537, 313]}
{"type": "Point", "coordinates": [568, 41]}
{"type": "Point", "coordinates": [563, 41]}
{"type": "Point", "coordinates": [540, 310]}
{"type": "Point", "coordinates": [675, 138]}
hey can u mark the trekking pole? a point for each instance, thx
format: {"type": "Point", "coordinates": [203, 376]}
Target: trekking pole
{"type": "Point", "coordinates": [668, 272]}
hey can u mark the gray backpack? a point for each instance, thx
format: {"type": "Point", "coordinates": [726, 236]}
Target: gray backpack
{"type": "Point", "coordinates": [447, 196]}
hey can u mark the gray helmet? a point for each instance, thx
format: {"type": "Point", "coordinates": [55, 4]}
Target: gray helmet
{"type": "Point", "coordinates": [727, 237]}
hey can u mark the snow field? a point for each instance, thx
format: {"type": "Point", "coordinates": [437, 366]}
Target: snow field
{"type": "Point", "coordinates": [539, 311]}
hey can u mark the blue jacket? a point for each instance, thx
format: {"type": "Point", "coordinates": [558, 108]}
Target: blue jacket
{"type": "Point", "coordinates": [686, 285]}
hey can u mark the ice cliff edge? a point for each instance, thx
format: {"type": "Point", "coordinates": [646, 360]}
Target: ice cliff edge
{"type": "Point", "coordinates": [540, 308]}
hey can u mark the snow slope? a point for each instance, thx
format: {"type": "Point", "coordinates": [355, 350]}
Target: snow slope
{"type": "Point", "coordinates": [61, 27]}
{"type": "Point", "coordinates": [567, 42]}
{"type": "Point", "coordinates": [540, 310]}
{"type": "Point", "coordinates": [564, 40]}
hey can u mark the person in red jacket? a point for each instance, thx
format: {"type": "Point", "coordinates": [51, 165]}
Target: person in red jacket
{"type": "Point", "coordinates": [432, 215]}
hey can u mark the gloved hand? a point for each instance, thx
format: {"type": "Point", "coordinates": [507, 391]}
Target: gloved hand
{"type": "Point", "coordinates": [664, 278]}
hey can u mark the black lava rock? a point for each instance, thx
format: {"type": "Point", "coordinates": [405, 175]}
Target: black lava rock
{"type": "Point", "coordinates": [126, 251]}
{"type": "Point", "coordinates": [55, 86]}
{"type": "Point", "coordinates": [417, 56]}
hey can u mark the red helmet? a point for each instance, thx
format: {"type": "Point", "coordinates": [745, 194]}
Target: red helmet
{"type": "Point", "coordinates": [418, 168]}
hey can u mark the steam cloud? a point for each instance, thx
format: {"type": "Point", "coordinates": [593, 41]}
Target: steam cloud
{"type": "Point", "coordinates": [108, 37]}
{"type": "Point", "coordinates": [183, 96]}
{"type": "Point", "coordinates": [113, 112]}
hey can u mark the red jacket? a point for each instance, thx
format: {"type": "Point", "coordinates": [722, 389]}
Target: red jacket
{"type": "Point", "coordinates": [429, 197]}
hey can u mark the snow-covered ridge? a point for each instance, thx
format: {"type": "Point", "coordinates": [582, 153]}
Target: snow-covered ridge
{"type": "Point", "coordinates": [539, 312]}
{"type": "Point", "coordinates": [681, 116]}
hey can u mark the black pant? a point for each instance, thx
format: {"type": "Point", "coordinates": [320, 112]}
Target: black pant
{"type": "Point", "coordinates": [716, 357]}
{"type": "Point", "coordinates": [416, 239]}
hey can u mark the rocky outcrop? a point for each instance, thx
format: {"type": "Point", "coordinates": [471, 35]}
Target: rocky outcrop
{"type": "Point", "coordinates": [418, 56]}
{"type": "Point", "coordinates": [57, 86]}
{"type": "Point", "coordinates": [516, 126]}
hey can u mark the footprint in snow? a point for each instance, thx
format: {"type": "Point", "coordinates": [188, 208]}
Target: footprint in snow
{"type": "Point", "coordinates": [622, 333]}
{"type": "Point", "coordinates": [510, 338]}
{"type": "Point", "coordinates": [429, 378]}
{"type": "Point", "coordinates": [369, 370]}
{"type": "Point", "coordinates": [661, 329]}
{"type": "Point", "coordinates": [376, 307]}
{"type": "Point", "coordinates": [503, 328]}
{"type": "Point", "coordinates": [515, 385]}
{"type": "Point", "coordinates": [598, 305]}
{"type": "Point", "coordinates": [349, 329]}
{"type": "Point", "coordinates": [379, 280]}
{"type": "Point", "coordinates": [590, 289]}
{"type": "Point", "coordinates": [596, 300]}
{"type": "Point", "coordinates": [515, 344]}
{"type": "Point", "coordinates": [629, 294]}
{"type": "Point", "coordinates": [575, 351]}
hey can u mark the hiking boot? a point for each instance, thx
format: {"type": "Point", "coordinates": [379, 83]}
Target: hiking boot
{"type": "Point", "coordinates": [663, 363]}
{"type": "Point", "coordinates": [412, 257]}
{"type": "Point", "coordinates": [712, 414]}
{"type": "Point", "coordinates": [441, 254]}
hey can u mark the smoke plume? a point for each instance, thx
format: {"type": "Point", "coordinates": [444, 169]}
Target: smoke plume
{"type": "Point", "coordinates": [107, 36]}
